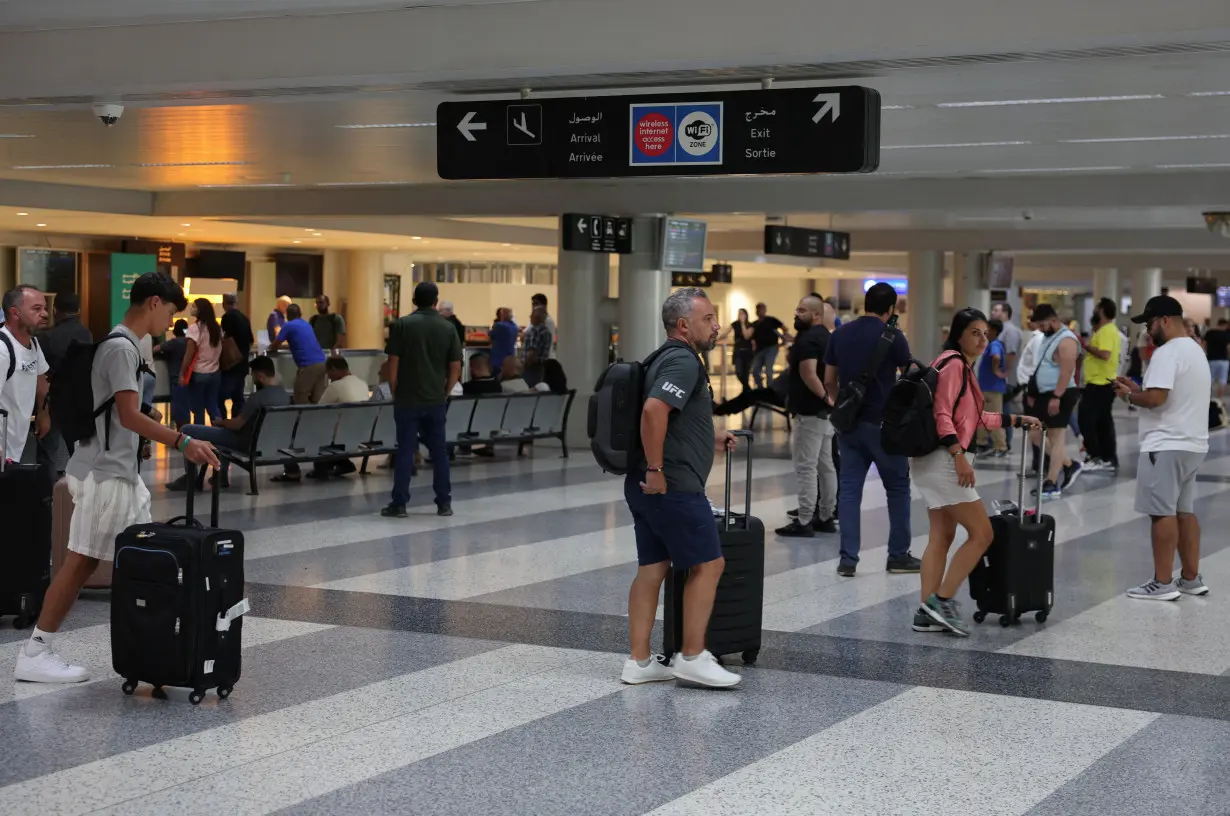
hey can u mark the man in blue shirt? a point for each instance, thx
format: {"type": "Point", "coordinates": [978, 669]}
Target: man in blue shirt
{"type": "Point", "coordinates": [848, 353]}
{"type": "Point", "coordinates": [503, 337]}
{"type": "Point", "coordinates": [993, 380]}
{"type": "Point", "coordinates": [312, 378]}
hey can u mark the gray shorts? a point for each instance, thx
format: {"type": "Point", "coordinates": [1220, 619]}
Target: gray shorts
{"type": "Point", "coordinates": [1166, 482]}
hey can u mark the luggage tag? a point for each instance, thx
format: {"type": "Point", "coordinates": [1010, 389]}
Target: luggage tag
{"type": "Point", "coordinates": [224, 618]}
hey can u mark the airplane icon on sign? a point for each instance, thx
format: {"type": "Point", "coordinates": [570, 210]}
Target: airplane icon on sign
{"type": "Point", "coordinates": [523, 125]}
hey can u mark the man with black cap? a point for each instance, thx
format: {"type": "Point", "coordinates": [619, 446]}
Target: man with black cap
{"type": "Point", "coordinates": [1051, 396]}
{"type": "Point", "coordinates": [1174, 438]}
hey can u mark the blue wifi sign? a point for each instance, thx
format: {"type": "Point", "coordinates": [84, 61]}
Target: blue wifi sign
{"type": "Point", "coordinates": [685, 133]}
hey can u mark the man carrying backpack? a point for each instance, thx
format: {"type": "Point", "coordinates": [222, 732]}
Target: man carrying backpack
{"type": "Point", "coordinates": [673, 519]}
{"type": "Point", "coordinates": [24, 387]}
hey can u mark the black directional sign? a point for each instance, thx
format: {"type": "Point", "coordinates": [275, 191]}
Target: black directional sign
{"type": "Point", "coordinates": [791, 130]}
{"type": "Point", "coordinates": [597, 233]}
{"type": "Point", "coordinates": [806, 243]}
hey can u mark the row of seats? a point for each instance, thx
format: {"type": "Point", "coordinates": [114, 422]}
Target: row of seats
{"type": "Point", "coordinates": [310, 433]}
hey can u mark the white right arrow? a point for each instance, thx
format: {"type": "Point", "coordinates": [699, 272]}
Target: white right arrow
{"type": "Point", "coordinates": [468, 126]}
{"type": "Point", "coordinates": [831, 102]}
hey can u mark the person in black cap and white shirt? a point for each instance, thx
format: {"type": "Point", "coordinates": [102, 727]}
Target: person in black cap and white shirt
{"type": "Point", "coordinates": [1174, 438]}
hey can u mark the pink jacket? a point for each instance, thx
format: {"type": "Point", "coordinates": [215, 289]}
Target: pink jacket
{"type": "Point", "coordinates": [958, 422]}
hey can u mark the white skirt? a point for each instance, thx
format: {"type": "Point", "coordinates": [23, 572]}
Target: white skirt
{"type": "Point", "coordinates": [935, 476]}
{"type": "Point", "coordinates": [103, 510]}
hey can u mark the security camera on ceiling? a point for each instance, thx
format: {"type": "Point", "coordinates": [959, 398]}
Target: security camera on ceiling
{"type": "Point", "coordinates": [108, 112]}
{"type": "Point", "coordinates": [1218, 222]}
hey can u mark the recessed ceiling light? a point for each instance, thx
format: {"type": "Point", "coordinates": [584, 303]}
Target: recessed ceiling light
{"type": "Point", "coordinates": [1201, 137]}
{"type": "Point", "coordinates": [40, 225]}
{"type": "Point", "coordinates": [193, 164]}
{"type": "Point", "coordinates": [16, 135]}
{"type": "Point", "coordinates": [296, 241]}
{"type": "Point", "coordinates": [1210, 93]}
{"type": "Point", "coordinates": [1062, 100]}
{"type": "Point", "coordinates": [955, 144]}
{"type": "Point", "coordinates": [362, 183]}
{"type": "Point", "coordinates": [416, 238]}
{"type": "Point", "coordinates": [383, 126]}
{"type": "Point", "coordinates": [1190, 166]}
{"type": "Point", "coordinates": [181, 234]}
{"type": "Point", "coordinates": [317, 235]}
{"type": "Point", "coordinates": [237, 186]}
{"type": "Point", "coordinates": [59, 166]}
{"type": "Point", "coordinates": [896, 107]}
{"type": "Point", "coordinates": [23, 213]}
{"type": "Point", "coordinates": [185, 225]}
{"type": "Point", "coordinates": [505, 244]}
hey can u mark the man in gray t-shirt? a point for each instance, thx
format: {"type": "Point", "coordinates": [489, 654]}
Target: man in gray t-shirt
{"type": "Point", "coordinates": [114, 452]}
{"type": "Point", "coordinates": [674, 521]}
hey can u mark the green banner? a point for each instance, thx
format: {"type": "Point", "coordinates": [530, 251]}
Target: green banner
{"type": "Point", "coordinates": [124, 270]}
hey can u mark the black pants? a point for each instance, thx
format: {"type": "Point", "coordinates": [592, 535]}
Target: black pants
{"type": "Point", "coordinates": [1097, 426]}
{"type": "Point", "coordinates": [743, 366]}
{"type": "Point", "coordinates": [746, 400]}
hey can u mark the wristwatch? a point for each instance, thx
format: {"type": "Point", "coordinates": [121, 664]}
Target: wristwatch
{"type": "Point", "coordinates": [957, 453]}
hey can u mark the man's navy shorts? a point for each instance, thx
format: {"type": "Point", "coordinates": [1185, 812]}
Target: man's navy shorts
{"type": "Point", "coordinates": [671, 526]}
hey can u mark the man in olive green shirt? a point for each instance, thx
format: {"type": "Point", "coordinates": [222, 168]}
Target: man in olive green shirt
{"type": "Point", "coordinates": [424, 365]}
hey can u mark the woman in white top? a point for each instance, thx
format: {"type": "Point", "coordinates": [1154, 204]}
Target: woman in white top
{"type": "Point", "coordinates": [200, 368]}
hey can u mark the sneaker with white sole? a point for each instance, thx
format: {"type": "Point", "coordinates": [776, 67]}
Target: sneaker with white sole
{"type": "Point", "coordinates": [656, 672]}
{"type": "Point", "coordinates": [1154, 590]}
{"type": "Point", "coordinates": [47, 667]}
{"type": "Point", "coordinates": [1195, 586]}
{"type": "Point", "coordinates": [924, 623]}
{"type": "Point", "coordinates": [704, 670]}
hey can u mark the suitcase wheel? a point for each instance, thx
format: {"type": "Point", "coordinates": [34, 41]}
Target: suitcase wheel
{"type": "Point", "coordinates": [749, 657]}
{"type": "Point", "coordinates": [1005, 621]}
{"type": "Point", "coordinates": [196, 696]}
{"type": "Point", "coordinates": [1041, 617]}
{"type": "Point", "coordinates": [22, 621]}
{"type": "Point", "coordinates": [225, 691]}
{"type": "Point", "coordinates": [129, 686]}
{"type": "Point", "coordinates": [980, 616]}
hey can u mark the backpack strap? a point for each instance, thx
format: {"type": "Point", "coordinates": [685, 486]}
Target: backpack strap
{"type": "Point", "coordinates": [12, 356]}
{"type": "Point", "coordinates": [107, 404]}
{"type": "Point", "coordinates": [887, 338]}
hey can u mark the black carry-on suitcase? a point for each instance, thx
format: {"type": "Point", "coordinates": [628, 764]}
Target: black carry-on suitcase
{"type": "Point", "coordinates": [738, 609]}
{"type": "Point", "coordinates": [177, 601]}
{"type": "Point", "coordinates": [1017, 573]}
{"type": "Point", "coordinates": [26, 544]}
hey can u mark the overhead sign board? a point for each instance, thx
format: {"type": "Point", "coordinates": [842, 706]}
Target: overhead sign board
{"type": "Point", "coordinates": [776, 131]}
{"type": "Point", "coordinates": [597, 233]}
{"type": "Point", "coordinates": [704, 279]}
{"type": "Point", "coordinates": [806, 243]}
{"type": "Point", "coordinates": [683, 244]}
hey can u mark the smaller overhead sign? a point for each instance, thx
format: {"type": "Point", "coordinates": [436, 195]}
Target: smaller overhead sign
{"type": "Point", "coordinates": [597, 233]}
{"type": "Point", "coordinates": [704, 279]}
{"type": "Point", "coordinates": [806, 243]}
{"type": "Point", "coordinates": [722, 273]}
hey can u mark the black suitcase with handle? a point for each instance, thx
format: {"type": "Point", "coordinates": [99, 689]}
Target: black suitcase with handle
{"type": "Point", "coordinates": [26, 544]}
{"type": "Point", "coordinates": [738, 609]}
{"type": "Point", "coordinates": [1017, 574]}
{"type": "Point", "coordinates": [177, 601]}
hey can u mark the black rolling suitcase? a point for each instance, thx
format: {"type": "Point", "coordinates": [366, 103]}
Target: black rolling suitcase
{"type": "Point", "coordinates": [1017, 573]}
{"type": "Point", "coordinates": [177, 601]}
{"type": "Point", "coordinates": [738, 610]}
{"type": "Point", "coordinates": [26, 544]}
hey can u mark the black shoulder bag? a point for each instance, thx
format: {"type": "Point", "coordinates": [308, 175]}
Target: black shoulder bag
{"type": "Point", "coordinates": [850, 397]}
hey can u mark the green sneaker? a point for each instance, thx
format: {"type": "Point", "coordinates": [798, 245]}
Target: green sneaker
{"type": "Point", "coordinates": [924, 623]}
{"type": "Point", "coordinates": [947, 614]}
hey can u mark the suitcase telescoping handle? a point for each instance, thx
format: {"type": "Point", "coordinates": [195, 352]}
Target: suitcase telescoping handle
{"type": "Point", "coordinates": [1025, 448]}
{"type": "Point", "coordinates": [215, 495]}
{"type": "Point", "coordinates": [750, 437]}
{"type": "Point", "coordinates": [4, 439]}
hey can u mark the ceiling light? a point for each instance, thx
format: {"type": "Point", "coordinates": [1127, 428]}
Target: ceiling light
{"type": "Point", "coordinates": [896, 107]}
{"type": "Point", "coordinates": [185, 225]}
{"type": "Point", "coordinates": [396, 248]}
{"type": "Point", "coordinates": [296, 242]}
{"type": "Point", "coordinates": [505, 244]}
{"type": "Point", "coordinates": [23, 213]}
{"type": "Point", "coordinates": [40, 225]}
{"type": "Point", "coordinates": [1210, 93]}
{"type": "Point", "coordinates": [59, 166]}
{"type": "Point", "coordinates": [181, 234]}
{"type": "Point", "coordinates": [957, 144]}
{"type": "Point", "coordinates": [1179, 166]}
{"type": "Point", "coordinates": [1062, 100]}
{"type": "Point", "coordinates": [236, 186]}
{"type": "Point", "coordinates": [1053, 169]}
{"type": "Point", "coordinates": [193, 164]}
{"type": "Point", "coordinates": [317, 235]}
{"type": "Point", "coordinates": [415, 238]}
{"type": "Point", "coordinates": [16, 135]}
{"type": "Point", "coordinates": [362, 183]}
{"type": "Point", "coordinates": [1201, 137]}
{"type": "Point", "coordinates": [383, 126]}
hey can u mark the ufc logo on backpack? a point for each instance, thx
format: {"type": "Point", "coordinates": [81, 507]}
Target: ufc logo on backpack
{"type": "Point", "coordinates": [670, 388]}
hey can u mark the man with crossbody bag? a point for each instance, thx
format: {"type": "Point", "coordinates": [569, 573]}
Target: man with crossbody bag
{"type": "Point", "coordinates": [863, 357]}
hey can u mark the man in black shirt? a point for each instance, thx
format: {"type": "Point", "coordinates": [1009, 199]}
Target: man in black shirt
{"type": "Point", "coordinates": [237, 327]}
{"type": "Point", "coordinates": [767, 333]}
{"type": "Point", "coordinates": [482, 380]}
{"type": "Point", "coordinates": [1215, 348]}
{"type": "Point", "coordinates": [812, 439]}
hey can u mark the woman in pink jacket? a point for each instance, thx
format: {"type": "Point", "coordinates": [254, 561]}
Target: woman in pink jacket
{"type": "Point", "coordinates": [945, 477]}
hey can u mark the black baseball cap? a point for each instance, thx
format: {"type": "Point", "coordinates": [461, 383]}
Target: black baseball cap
{"type": "Point", "coordinates": [1043, 311]}
{"type": "Point", "coordinates": [1160, 306]}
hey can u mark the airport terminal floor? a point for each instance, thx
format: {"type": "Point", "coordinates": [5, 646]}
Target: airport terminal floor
{"type": "Point", "coordinates": [471, 664]}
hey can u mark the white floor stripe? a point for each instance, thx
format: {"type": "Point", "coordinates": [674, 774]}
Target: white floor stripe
{"type": "Point", "coordinates": [274, 760]}
{"type": "Point", "coordinates": [1000, 755]}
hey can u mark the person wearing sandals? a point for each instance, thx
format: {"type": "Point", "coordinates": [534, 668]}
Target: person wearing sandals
{"type": "Point", "coordinates": [945, 477]}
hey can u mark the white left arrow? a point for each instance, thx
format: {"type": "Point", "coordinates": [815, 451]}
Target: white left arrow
{"type": "Point", "coordinates": [830, 102]}
{"type": "Point", "coordinates": [468, 126]}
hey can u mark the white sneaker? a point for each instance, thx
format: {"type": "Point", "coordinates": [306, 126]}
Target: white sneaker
{"type": "Point", "coordinates": [47, 667]}
{"type": "Point", "coordinates": [1154, 591]}
{"type": "Point", "coordinates": [704, 670]}
{"type": "Point", "coordinates": [656, 672]}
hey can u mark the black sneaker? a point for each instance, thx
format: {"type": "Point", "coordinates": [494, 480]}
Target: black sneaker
{"type": "Point", "coordinates": [1070, 474]}
{"type": "Point", "coordinates": [795, 529]}
{"type": "Point", "coordinates": [1049, 491]}
{"type": "Point", "coordinates": [904, 565]}
{"type": "Point", "coordinates": [793, 513]}
{"type": "Point", "coordinates": [444, 510]}
{"type": "Point", "coordinates": [179, 485]}
{"type": "Point", "coordinates": [395, 511]}
{"type": "Point", "coordinates": [846, 570]}
{"type": "Point", "coordinates": [825, 525]}
{"type": "Point", "coordinates": [924, 622]}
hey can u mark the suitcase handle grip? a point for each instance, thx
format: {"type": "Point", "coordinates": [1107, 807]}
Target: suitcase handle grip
{"type": "Point", "coordinates": [214, 498]}
{"type": "Point", "coordinates": [188, 521]}
{"type": "Point", "coordinates": [750, 437]}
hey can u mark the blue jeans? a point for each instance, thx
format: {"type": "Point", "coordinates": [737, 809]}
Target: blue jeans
{"type": "Point", "coordinates": [762, 366]}
{"type": "Point", "coordinates": [232, 389]}
{"type": "Point", "coordinates": [859, 450]}
{"type": "Point", "coordinates": [426, 421]}
{"type": "Point", "coordinates": [203, 391]}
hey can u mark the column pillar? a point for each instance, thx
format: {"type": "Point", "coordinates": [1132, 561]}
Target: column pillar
{"type": "Point", "coordinates": [583, 334]}
{"type": "Point", "coordinates": [1145, 284]}
{"type": "Point", "coordinates": [643, 286]}
{"type": "Point", "coordinates": [971, 289]}
{"type": "Point", "coordinates": [365, 301]}
{"type": "Point", "coordinates": [1106, 285]}
{"type": "Point", "coordinates": [926, 283]}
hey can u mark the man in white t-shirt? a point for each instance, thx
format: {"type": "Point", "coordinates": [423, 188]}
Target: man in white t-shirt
{"type": "Point", "coordinates": [1174, 438]}
{"type": "Point", "coordinates": [23, 369]}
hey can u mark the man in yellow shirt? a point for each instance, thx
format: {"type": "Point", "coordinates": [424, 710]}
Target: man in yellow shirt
{"type": "Point", "coordinates": [1101, 366]}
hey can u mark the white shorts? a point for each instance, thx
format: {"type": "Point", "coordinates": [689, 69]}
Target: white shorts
{"type": "Point", "coordinates": [935, 476]}
{"type": "Point", "coordinates": [103, 510]}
